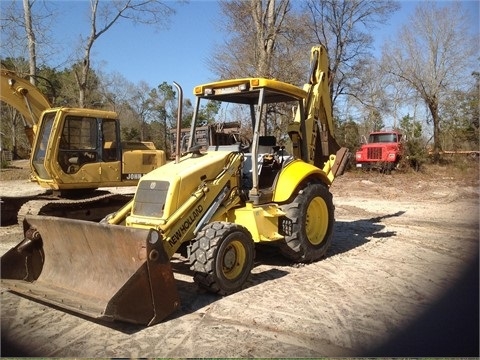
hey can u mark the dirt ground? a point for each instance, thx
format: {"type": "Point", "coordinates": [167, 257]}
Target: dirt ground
{"type": "Point", "coordinates": [400, 279]}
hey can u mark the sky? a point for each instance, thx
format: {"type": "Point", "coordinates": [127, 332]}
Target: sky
{"type": "Point", "coordinates": [142, 53]}
{"type": "Point", "coordinates": [180, 53]}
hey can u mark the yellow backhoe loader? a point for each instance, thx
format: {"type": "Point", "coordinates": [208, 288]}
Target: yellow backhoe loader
{"type": "Point", "coordinates": [216, 204]}
{"type": "Point", "coordinates": [74, 150]}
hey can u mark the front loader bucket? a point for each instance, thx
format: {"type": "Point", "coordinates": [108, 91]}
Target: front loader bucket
{"type": "Point", "coordinates": [106, 272]}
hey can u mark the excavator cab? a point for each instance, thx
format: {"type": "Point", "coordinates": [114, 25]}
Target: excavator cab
{"type": "Point", "coordinates": [78, 149]}
{"type": "Point", "coordinates": [81, 142]}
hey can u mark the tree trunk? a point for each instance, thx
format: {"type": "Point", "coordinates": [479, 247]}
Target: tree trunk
{"type": "Point", "coordinates": [27, 7]}
{"type": "Point", "coordinates": [82, 78]}
{"type": "Point", "coordinates": [437, 146]}
{"type": "Point", "coordinates": [268, 23]}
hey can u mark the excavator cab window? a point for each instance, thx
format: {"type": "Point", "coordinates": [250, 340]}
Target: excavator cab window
{"type": "Point", "coordinates": [109, 141]}
{"type": "Point", "coordinates": [42, 145]}
{"type": "Point", "coordinates": [78, 143]}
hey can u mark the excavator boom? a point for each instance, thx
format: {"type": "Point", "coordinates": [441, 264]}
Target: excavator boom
{"type": "Point", "coordinates": [25, 97]}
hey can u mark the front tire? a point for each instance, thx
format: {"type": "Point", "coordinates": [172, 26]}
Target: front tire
{"type": "Point", "coordinates": [308, 224]}
{"type": "Point", "coordinates": [222, 257]}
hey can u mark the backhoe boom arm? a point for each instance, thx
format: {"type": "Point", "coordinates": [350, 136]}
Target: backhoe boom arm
{"type": "Point", "coordinates": [314, 138]}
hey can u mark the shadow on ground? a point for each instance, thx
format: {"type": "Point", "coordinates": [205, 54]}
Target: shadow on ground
{"type": "Point", "coordinates": [348, 235]}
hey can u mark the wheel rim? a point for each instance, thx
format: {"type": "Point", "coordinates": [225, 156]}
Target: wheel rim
{"type": "Point", "coordinates": [233, 260]}
{"type": "Point", "coordinates": [316, 224]}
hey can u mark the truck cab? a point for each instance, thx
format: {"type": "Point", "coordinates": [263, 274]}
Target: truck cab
{"type": "Point", "coordinates": [383, 151]}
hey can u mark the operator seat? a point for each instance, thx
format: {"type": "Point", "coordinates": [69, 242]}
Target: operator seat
{"type": "Point", "coordinates": [266, 144]}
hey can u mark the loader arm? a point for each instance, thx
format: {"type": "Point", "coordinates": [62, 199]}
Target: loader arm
{"type": "Point", "coordinates": [179, 223]}
{"type": "Point", "coordinates": [25, 98]}
{"type": "Point", "coordinates": [314, 139]}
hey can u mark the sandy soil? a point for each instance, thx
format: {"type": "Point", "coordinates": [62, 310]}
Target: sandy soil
{"type": "Point", "coordinates": [400, 279]}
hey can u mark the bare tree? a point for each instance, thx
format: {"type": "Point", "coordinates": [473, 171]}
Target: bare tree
{"type": "Point", "coordinates": [377, 93]}
{"type": "Point", "coordinates": [104, 15]}
{"type": "Point", "coordinates": [19, 26]}
{"type": "Point", "coordinates": [261, 38]}
{"type": "Point", "coordinates": [343, 27]}
{"type": "Point", "coordinates": [25, 30]}
{"type": "Point", "coordinates": [262, 42]}
{"type": "Point", "coordinates": [27, 9]}
{"type": "Point", "coordinates": [371, 85]}
{"type": "Point", "coordinates": [433, 55]}
{"type": "Point", "coordinates": [267, 23]}
{"type": "Point", "coordinates": [140, 105]}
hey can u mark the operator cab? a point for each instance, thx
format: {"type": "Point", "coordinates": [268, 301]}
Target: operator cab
{"type": "Point", "coordinates": [267, 103]}
{"type": "Point", "coordinates": [83, 140]}
{"type": "Point", "coordinates": [270, 160]}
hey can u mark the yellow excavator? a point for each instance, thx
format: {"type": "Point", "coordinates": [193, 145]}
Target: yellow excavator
{"type": "Point", "coordinates": [215, 205]}
{"type": "Point", "coordinates": [74, 150]}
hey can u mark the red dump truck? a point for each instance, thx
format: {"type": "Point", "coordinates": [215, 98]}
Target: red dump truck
{"type": "Point", "coordinates": [383, 151]}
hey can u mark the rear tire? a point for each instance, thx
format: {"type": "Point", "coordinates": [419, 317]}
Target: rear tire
{"type": "Point", "coordinates": [222, 257]}
{"type": "Point", "coordinates": [308, 224]}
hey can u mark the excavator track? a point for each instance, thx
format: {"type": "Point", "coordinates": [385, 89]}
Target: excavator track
{"type": "Point", "coordinates": [93, 208]}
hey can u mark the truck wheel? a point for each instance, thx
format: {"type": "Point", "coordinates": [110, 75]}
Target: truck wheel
{"type": "Point", "coordinates": [308, 224]}
{"type": "Point", "coordinates": [222, 257]}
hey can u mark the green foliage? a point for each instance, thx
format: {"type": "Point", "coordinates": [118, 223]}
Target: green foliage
{"type": "Point", "coordinates": [410, 127]}
{"type": "Point", "coordinates": [161, 102]}
{"type": "Point", "coordinates": [415, 146]}
{"type": "Point", "coordinates": [60, 87]}
{"type": "Point", "coordinates": [49, 83]}
{"type": "Point", "coordinates": [130, 134]}
{"type": "Point", "coordinates": [460, 119]}
{"type": "Point", "coordinates": [187, 114]}
{"type": "Point", "coordinates": [207, 113]}
{"type": "Point", "coordinates": [415, 153]}
{"type": "Point", "coordinates": [19, 65]}
{"type": "Point", "coordinates": [372, 121]}
{"type": "Point", "coordinates": [347, 134]}
{"type": "Point", "coordinates": [4, 163]}
{"type": "Point", "coordinates": [375, 118]}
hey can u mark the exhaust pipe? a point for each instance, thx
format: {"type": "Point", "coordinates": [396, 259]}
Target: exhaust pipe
{"type": "Point", "coordinates": [179, 122]}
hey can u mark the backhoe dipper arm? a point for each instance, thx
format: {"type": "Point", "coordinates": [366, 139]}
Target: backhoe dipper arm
{"type": "Point", "coordinates": [314, 139]}
{"type": "Point", "coordinates": [25, 98]}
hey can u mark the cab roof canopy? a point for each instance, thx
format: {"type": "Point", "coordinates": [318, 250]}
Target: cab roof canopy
{"type": "Point", "coordinates": [247, 91]}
